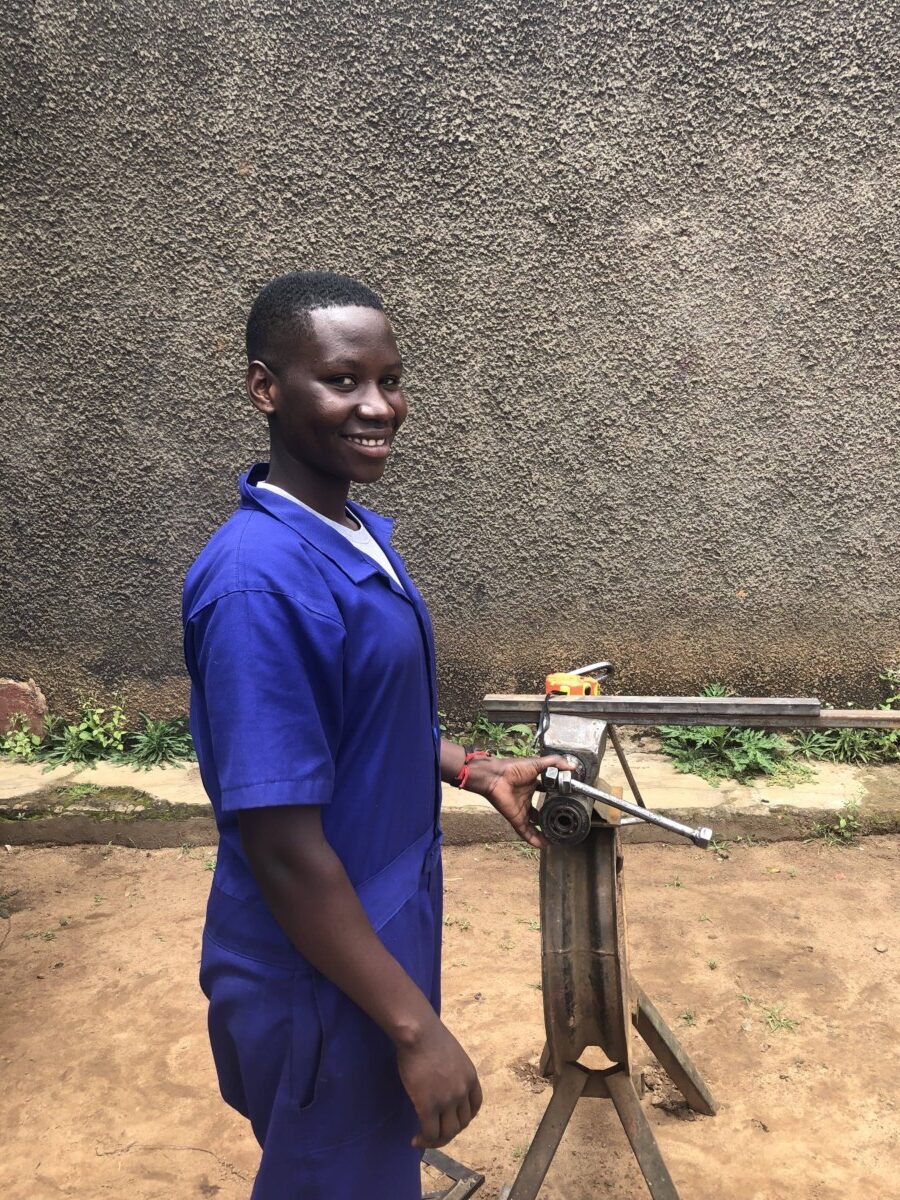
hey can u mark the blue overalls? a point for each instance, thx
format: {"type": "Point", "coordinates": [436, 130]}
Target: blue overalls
{"type": "Point", "coordinates": [313, 683]}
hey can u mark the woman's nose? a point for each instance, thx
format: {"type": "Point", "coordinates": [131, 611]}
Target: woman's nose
{"type": "Point", "coordinates": [375, 404]}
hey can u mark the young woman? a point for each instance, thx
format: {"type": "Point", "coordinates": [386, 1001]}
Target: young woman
{"type": "Point", "coordinates": [314, 714]}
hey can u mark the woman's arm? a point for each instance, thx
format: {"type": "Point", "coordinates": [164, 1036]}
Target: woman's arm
{"type": "Point", "coordinates": [306, 887]}
{"type": "Point", "coordinates": [508, 783]}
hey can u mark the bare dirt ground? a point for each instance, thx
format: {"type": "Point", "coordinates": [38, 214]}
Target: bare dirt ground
{"type": "Point", "coordinates": [107, 1088]}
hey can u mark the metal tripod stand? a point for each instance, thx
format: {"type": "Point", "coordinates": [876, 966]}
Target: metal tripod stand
{"type": "Point", "coordinates": [590, 996]}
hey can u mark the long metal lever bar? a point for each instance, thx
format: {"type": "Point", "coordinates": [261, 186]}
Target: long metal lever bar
{"type": "Point", "coordinates": [555, 780]}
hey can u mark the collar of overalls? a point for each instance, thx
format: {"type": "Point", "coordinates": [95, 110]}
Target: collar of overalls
{"type": "Point", "coordinates": [356, 565]}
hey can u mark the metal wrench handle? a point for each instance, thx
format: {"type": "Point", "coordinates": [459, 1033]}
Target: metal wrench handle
{"type": "Point", "coordinates": [555, 780]}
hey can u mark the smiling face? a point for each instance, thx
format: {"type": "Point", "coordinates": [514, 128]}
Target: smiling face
{"type": "Point", "coordinates": [334, 400]}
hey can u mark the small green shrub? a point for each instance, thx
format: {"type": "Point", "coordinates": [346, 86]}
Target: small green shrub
{"type": "Point", "coordinates": [729, 751]}
{"type": "Point", "coordinates": [717, 752]}
{"type": "Point", "coordinates": [159, 743]}
{"type": "Point", "coordinates": [843, 829]}
{"type": "Point", "coordinates": [716, 689]}
{"type": "Point", "coordinates": [861, 747]}
{"type": "Point", "coordinates": [95, 733]}
{"type": "Point", "coordinates": [19, 742]}
{"type": "Point", "coordinates": [508, 741]}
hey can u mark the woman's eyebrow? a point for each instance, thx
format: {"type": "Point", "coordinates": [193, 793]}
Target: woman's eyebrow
{"type": "Point", "coordinates": [349, 363]}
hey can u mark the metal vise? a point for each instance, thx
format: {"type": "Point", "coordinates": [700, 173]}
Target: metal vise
{"type": "Point", "coordinates": [566, 815]}
{"type": "Point", "coordinates": [572, 803]}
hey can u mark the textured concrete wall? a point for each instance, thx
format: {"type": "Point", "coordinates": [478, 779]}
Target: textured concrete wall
{"type": "Point", "coordinates": [640, 258]}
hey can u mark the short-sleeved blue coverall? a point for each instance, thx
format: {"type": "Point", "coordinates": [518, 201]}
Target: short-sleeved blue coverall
{"type": "Point", "coordinates": [313, 683]}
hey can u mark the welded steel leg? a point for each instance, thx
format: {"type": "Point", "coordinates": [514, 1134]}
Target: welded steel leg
{"type": "Point", "coordinates": [625, 764]}
{"type": "Point", "coordinates": [566, 1093]}
{"type": "Point", "coordinates": [638, 1131]}
{"type": "Point", "coordinates": [672, 1056]}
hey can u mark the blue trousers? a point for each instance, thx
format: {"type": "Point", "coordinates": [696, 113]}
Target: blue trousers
{"type": "Point", "coordinates": [314, 1075]}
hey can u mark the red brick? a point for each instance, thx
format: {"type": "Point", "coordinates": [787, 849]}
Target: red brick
{"type": "Point", "coordinates": [24, 698]}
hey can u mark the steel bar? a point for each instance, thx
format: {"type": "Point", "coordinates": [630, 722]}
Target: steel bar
{"type": "Point", "coordinates": [671, 1055]}
{"type": "Point", "coordinates": [466, 1182]}
{"type": "Point", "coordinates": [853, 718]}
{"type": "Point", "coordinates": [659, 710]}
{"type": "Point", "coordinates": [567, 1090]}
{"type": "Point", "coordinates": [638, 1131]}
{"type": "Point", "coordinates": [556, 780]}
{"type": "Point", "coordinates": [747, 712]}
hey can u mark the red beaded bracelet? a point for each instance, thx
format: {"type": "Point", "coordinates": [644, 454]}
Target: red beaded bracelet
{"type": "Point", "coordinates": [471, 755]}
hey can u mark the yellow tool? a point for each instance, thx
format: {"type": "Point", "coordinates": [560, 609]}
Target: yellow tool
{"type": "Point", "coordinates": [580, 682]}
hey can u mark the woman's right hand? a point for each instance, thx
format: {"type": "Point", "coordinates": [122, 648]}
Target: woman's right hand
{"type": "Point", "coordinates": [442, 1083]}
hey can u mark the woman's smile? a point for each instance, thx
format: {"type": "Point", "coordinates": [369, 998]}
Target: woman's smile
{"type": "Point", "coordinates": [372, 446]}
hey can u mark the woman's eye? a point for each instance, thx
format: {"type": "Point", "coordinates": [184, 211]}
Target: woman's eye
{"type": "Point", "coordinates": [343, 380]}
{"type": "Point", "coordinates": [391, 381]}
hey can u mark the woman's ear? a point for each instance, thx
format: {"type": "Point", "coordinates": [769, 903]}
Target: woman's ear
{"type": "Point", "coordinates": [262, 386]}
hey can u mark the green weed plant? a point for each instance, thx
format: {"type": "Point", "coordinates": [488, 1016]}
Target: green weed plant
{"type": "Point", "coordinates": [717, 752]}
{"type": "Point", "coordinates": [98, 733]}
{"type": "Point", "coordinates": [95, 733]}
{"type": "Point", "coordinates": [775, 1018]}
{"type": "Point", "coordinates": [860, 747]}
{"type": "Point", "coordinates": [506, 741]}
{"type": "Point", "coordinates": [19, 742]}
{"type": "Point", "coordinates": [159, 743]}
{"type": "Point", "coordinates": [844, 828]}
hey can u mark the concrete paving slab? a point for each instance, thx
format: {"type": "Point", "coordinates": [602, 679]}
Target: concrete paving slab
{"type": "Point", "coordinates": [168, 805]}
{"type": "Point", "coordinates": [172, 785]}
{"type": "Point", "coordinates": [23, 779]}
{"type": "Point", "coordinates": [663, 787]}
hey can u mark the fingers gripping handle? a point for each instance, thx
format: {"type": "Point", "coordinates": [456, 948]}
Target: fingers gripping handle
{"type": "Point", "coordinates": [555, 780]}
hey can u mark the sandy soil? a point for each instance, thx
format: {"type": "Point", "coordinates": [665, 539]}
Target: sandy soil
{"type": "Point", "coordinates": [108, 1089]}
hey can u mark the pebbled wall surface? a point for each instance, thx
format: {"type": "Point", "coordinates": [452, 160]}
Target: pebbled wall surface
{"type": "Point", "coordinates": [642, 260]}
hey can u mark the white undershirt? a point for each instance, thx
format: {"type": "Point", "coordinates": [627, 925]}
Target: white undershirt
{"type": "Point", "coordinates": [359, 537]}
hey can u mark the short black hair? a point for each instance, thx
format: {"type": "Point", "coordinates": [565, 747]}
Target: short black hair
{"type": "Point", "coordinates": [282, 308]}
